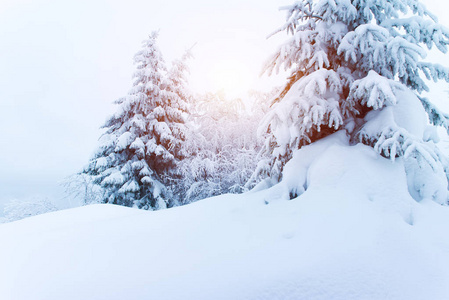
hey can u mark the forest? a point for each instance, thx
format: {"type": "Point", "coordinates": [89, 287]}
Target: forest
{"type": "Point", "coordinates": [354, 66]}
{"type": "Point", "coordinates": [332, 185]}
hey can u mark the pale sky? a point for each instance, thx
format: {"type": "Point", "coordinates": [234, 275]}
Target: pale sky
{"type": "Point", "coordinates": [63, 63]}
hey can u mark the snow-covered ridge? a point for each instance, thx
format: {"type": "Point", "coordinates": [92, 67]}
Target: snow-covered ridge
{"type": "Point", "coordinates": [354, 233]}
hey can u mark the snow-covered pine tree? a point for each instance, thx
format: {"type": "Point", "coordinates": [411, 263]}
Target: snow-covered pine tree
{"type": "Point", "coordinates": [177, 113]}
{"type": "Point", "coordinates": [177, 107]}
{"type": "Point", "coordinates": [358, 65]}
{"type": "Point", "coordinates": [141, 143]}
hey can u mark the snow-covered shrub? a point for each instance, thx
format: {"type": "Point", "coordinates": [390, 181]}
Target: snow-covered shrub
{"type": "Point", "coordinates": [19, 209]}
{"type": "Point", "coordinates": [82, 187]}
{"type": "Point", "coordinates": [358, 66]}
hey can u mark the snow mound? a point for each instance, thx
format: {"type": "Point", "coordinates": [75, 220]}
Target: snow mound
{"type": "Point", "coordinates": [352, 232]}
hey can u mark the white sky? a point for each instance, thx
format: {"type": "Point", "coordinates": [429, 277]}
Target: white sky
{"type": "Point", "coordinates": [63, 63]}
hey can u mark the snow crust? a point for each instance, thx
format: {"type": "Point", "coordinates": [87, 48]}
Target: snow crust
{"type": "Point", "coordinates": [352, 232]}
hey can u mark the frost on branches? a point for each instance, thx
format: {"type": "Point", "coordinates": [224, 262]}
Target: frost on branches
{"type": "Point", "coordinates": [221, 145]}
{"type": "Point", "coordinates": [357, 65]}
{"type": "Point", "coordinates": [142, 142]}
{"type": "Point", "coordinates": [19, 209]}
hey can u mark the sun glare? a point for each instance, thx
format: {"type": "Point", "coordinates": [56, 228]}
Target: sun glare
{"type": "Point", "coordinates": [231, 76]}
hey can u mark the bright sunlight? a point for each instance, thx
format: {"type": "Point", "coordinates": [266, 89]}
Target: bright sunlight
{"type": "Point", "coordinates": [231, 76]}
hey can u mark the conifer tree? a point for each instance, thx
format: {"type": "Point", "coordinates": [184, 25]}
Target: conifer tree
{"type": "Point", "coordinates": [358, 65]}
{"type": "Point", "coordinates": [178, 102]}
{"type": "Point", "coordinates": [177, 114]}
{"type": "Point", "coordinates": [142, 140]}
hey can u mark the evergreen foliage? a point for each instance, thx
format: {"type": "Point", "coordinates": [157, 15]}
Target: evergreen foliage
{"type": "Point", "coordinates": [358, 65]}
{"type": "Point", "coordinates": [142, 142]}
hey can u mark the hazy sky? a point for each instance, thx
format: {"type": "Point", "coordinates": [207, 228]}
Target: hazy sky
{"type": "Point", "coordinates": [63, 63]}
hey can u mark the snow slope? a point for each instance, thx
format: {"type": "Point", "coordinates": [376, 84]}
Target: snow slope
{"type": "Point", "coordinates": [355, 233]}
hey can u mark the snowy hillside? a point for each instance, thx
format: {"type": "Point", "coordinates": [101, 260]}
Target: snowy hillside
{"type": "Point", "coordinates": [355, 233]}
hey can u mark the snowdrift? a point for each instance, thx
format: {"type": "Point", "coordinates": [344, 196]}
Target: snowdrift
{"type": "Point", "coordinates": [354, 232]}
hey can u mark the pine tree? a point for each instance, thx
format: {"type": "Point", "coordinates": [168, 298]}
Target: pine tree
{"type": "Point", "coordinates": [357, 65]}
{"type": "Point", "coordinates": [141, 145]}
{"type": "Point", "coordinates": [177, 114]}
{"type": "Point", "coordinates": [177, 107]}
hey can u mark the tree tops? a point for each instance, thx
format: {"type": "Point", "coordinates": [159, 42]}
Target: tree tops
{"type": "Point", "coordinates": [357, 65]}
{"type": "Point", "coordinates": [164, 147]}
{"type": "Point", "coordinates": [142, 142]}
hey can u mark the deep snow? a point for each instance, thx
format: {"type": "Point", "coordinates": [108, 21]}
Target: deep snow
{"type": "Point", "coordinates": [355, 233]}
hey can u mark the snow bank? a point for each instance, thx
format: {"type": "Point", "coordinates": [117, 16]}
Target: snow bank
{"type": "Point", "coordinates": [354, 233]}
